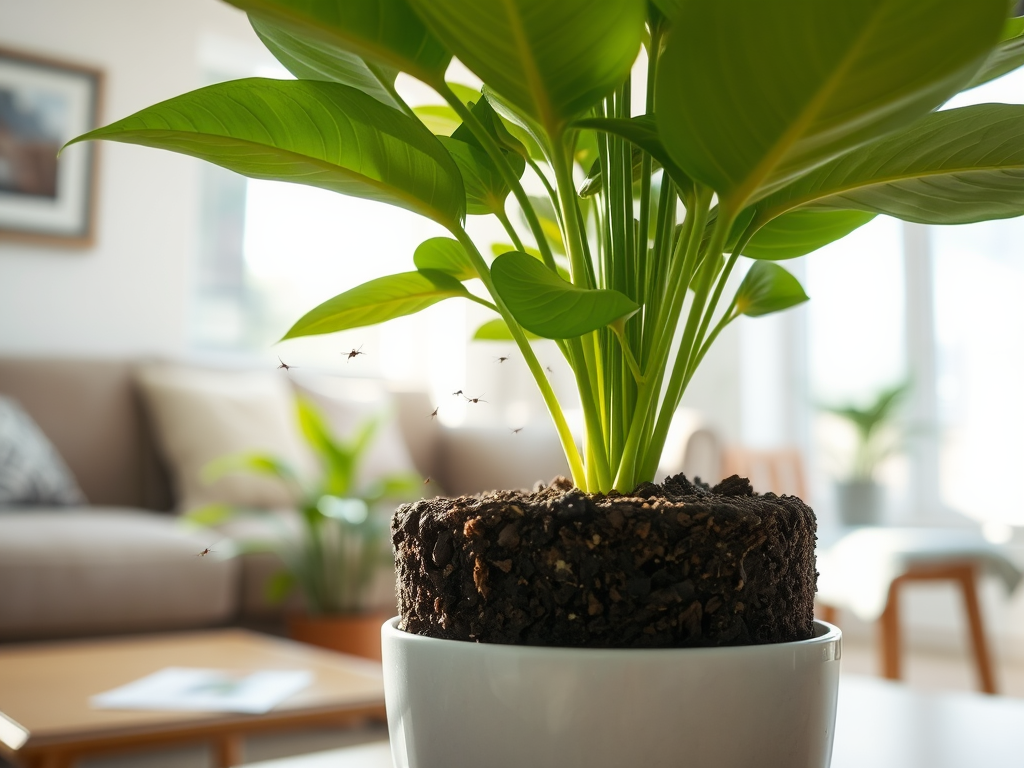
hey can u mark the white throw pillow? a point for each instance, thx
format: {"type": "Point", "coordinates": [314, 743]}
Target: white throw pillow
{"type": "Point", "coordinates": [201, 415]}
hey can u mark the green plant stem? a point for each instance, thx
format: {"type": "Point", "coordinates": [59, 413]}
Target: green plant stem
{"type": "Point", "coordinates": [673, 392]}
{"type": "Point", "coordinates": [552, 195]}
{"type": "Point", "coordinates": [509, 229]}
{"type": "Point", "coordinates": [495, 153]}
{"type": "Point", "coordinates": [693, 226]}
{"type": "Point", "coordinates": [572, 453]}
{"type": "Point", "coordinates": [619, 329]}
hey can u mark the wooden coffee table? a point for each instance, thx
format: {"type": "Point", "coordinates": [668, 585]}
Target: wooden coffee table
{"type": "Point", "coordinates": [46, 720]}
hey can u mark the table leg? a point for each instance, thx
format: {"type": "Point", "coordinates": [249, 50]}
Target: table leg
{"type": "Point", "coordinates": [969, 587]}
{"type": "Point", "coordinates": [889, 633]}
{"type": "Point", "coordinates": [228, 751]}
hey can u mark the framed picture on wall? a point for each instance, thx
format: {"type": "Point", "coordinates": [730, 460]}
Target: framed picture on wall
{"type": "Point", "coordinates": [43, 104]}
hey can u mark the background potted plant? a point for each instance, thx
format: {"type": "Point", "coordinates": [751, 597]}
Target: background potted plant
{"type": "Point", "coordinates": [859, 496]}
{"type": "Point", "coordinates": [341, 543]}
{"type": "Point", "coordinates": [767, 130]}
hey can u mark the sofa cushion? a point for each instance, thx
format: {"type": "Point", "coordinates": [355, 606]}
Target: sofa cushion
{"type": "Point", "coordinates": [90, 410]}
{"type": "Point", "coordinates": [202, 415]}
{"type": "Point", "coordinates": [101, 570]}
{"type": "Point", "coordinates": [31, 471]}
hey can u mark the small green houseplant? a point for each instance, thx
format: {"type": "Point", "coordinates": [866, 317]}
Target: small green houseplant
{"type": "Point", "coordinates": [769, 129]}
{"type": "Point", "coordinates": [342, 542]}
{"type": "Point", "coordinates": [877, 437]}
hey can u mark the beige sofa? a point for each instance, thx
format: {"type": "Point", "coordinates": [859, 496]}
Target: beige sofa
{"type": "Point", "coordinates": [124, 563]}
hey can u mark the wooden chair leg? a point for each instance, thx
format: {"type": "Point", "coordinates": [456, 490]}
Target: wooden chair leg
{"type": "Point", "coordinates": [889, 634]}
{"type": "Point", "coordinates": [228, 751]}
{"type": "Point", "coordinates": [969, 588]}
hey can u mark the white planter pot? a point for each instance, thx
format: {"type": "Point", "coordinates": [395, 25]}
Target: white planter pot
{"type": "Point", "coordinates": [452, 704]}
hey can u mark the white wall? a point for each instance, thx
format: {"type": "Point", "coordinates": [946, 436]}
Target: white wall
{"type": "Point", "coordinates": [129, 293]}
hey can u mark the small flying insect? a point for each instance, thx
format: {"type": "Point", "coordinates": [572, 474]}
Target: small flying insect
{"type": "Point", "coordinates": [517, 430]}
{"type": "Point", "coordinates": [548, 369]}
{"type": "Point", "coordinates": [205, 552]}
{"type": "Point", "coordinates": [475, 400]}
{"type": "Point", "coordinates": [353, 353]}
{"type": "Point", "coordinates": [284, 365]}
{"type": "Point", "coordinates": [456, 394]}
{"type": "Point", "coordinates": [427, 480]}
{"type": "Point", "coordinates": [434, 414]}
{"type": "Point", "coordinates": [501, 359]}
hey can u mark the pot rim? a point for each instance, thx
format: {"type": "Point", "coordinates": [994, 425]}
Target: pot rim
{"type": "Point", "coordinates": [825, 634]}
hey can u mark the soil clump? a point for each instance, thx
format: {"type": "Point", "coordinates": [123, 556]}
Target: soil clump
{"type": "Point", "coordinates": [674, 565]}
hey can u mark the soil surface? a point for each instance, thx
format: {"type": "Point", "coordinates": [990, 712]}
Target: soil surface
{"type": "Point", "coordinates": [672, 565]}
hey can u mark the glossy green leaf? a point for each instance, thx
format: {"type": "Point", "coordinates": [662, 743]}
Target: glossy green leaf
{"type": "Point", "coordinates": [798, 233]}
{"type": "Point", "coordinates": [526, 130]}
{"type": "Point", "coordinates": [378, 301]}
{"type": "Point", "coordinates": [322, 134]}
{"type": "Point", "coordinates": [751, 95]}
{"type": "Point", "coordinates": [497, 330]}
{"type": "Point", "coordinates": [954, 167]}
{"type": "Point", "coordinates": [547, 305]}
{"type": "Point", "coordinates": [499, 248]}
{"type": "Point", "coordinates": [552, 61]}
{"type": "Point", "coordinates": [768, 288]}
{"type": "Point", "coordinates": [444, 255]}
{"type": "Point", "coordinates": [309, 58]}
{"type": "Point", "coordinates": [486, 190]}
{"type": "Point", "coordinates": [385, 32]}
{"type": "Point", "coordinates": [440, 119]}
{"type": "Point", "coordinates": [642, 132]}
{"type": "Point", "coordinates": [1008, 55]}
{"type": "Point", "coordinates": [514, 151]}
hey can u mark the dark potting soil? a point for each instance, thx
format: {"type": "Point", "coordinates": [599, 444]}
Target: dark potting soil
{"type": "Point", "coordinates": [672, 565]}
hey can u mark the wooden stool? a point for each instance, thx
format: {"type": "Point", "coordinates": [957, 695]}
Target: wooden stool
{"type": "Point", "coordinates": [962, 572]}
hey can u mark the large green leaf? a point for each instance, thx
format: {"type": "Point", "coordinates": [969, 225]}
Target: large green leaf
{"type": "Point", "coordinates": [642, 132]}
{"type": "Point", "coordinates": [322, 134]}
{"type": "Point", "coordinates": [1008, 55]}
{"type": "Point", "coordinates": [440, 119]}
{"type": "Point", "coordinates": [798, 233]}
{"type": "Point", "coordinates": [385, 32]}
{"type": "Point", "coordinates": [444, 255]}
{"type": "Point", "coordinates": [752, 94]}
{"type": "Point", "coordinates": [767, 288]}
{"type": "Point", "coordinates": [954, 167]}
{"type": "Point", "coordinates": [309, 58]}
{"type": "Point", "coordinates": [498, 330]}
{"type": "Point", "coordinates": [551, 60]}
{"type": "Point", "coordinates": [547, 305]}
{"type": "Point", "coordinates": [378, 301]}
{"type": "Point", "coordinates": [485, 189]}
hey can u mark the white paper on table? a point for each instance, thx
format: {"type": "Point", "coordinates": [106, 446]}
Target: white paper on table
{"type": "Point", "coordinates": [206, 690]}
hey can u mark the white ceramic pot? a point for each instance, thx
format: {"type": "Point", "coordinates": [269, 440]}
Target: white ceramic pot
{"type": "Point", "coordinates": [453, 704]}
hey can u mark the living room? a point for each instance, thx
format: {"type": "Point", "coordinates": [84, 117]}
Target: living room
{"type": "Point", "coordinates": [144, 296]}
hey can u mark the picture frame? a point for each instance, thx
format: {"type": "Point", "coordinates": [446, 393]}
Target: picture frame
{"type": "Point", "coordinates": [43, 104]}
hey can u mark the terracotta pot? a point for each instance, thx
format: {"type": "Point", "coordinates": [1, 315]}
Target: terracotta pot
{"type": "Point", "coordinates": [355, 633]}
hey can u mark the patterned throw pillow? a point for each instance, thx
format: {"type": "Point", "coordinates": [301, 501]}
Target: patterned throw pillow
{"type": "Point", "coordinates": [32, 473]}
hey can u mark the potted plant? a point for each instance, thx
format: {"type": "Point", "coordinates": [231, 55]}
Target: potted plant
{"type": "Point", "coordinates": [616, 621]}
{"type": "Point", "coordinates": [860, 496]}
{"type": "Point", "coordinates": [341, 542]}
